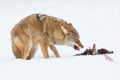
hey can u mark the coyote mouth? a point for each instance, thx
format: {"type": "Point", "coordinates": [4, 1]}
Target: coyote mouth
{"type": "Point", "coordinates": [76, 47]}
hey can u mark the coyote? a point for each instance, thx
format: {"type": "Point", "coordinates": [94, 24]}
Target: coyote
{"type": "Point", "coordinates": [47, 31]}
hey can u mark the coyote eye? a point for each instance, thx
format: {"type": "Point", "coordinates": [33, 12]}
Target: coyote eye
{"type": "Point", "coordinates": [76, 39]}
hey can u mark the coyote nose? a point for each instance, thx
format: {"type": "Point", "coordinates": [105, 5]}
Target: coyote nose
{"type": "Point", "coordinates": [82, 46]}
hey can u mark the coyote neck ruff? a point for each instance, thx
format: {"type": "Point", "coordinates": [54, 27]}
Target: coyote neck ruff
{"type": "Point", "coordinates": [45, 31]}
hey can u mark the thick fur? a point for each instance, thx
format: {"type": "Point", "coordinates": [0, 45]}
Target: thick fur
{"type": "Point", "coordinates": [45, 31]}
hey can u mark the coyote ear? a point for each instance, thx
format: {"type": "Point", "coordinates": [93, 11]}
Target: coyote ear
{"type": "Point", "coordinates": [70, 24]}
{"type": "Point", "coordinates": [63, 29]}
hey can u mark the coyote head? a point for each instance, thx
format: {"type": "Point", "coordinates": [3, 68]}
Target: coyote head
{"type": "Point", "coordinates": [72, 37]}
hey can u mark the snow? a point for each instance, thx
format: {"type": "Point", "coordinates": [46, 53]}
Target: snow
{"type": "Point", "coordinates": [97, 21]}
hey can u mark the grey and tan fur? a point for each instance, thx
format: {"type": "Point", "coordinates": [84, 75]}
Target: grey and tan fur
{"type": "Point", "coordinates": [44, 30]}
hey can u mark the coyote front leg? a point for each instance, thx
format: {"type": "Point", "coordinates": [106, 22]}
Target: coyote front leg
{"type": "Point", "coordinates": [52, 47]}
{"type": "Point", "coordinates": [44, 48]}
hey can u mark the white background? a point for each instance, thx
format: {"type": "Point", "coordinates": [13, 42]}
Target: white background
{"type": "Point", "coordinates": [97, 21]}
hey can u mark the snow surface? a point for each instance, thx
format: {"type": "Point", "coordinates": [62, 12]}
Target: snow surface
{"type": "Point", "coordinates": [97, 21]}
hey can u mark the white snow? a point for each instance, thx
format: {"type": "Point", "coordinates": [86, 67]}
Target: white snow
{"type": "Point", "coordinates": [97, 21]}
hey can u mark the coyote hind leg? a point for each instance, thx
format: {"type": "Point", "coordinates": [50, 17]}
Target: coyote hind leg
{"type": "Point", "coordinates": [32, 52]}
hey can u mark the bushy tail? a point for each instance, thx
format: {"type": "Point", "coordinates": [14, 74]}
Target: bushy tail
{"type": "Point", "coordinates": [15, 49]}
